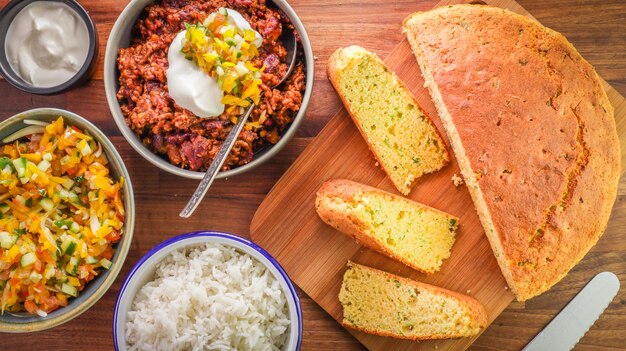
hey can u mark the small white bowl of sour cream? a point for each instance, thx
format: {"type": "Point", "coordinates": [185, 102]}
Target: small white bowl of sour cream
{"type": "Point", "coordinates": [47, 46]}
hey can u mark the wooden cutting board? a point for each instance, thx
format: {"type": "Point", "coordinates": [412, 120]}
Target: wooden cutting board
{"type": "Point", "coordinates": [315, 255]}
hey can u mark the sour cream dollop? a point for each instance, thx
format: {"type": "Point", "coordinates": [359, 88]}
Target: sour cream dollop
{"type": "Point", "coordinates": [191, 87]}
{"type": "Point", "coordinates": [47, 43]}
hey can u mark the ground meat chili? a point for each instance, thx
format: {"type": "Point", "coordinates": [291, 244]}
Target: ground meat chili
{"type": "Point", "coordinates": [176, 133]}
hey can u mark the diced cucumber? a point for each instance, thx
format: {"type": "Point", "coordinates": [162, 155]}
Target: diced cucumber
{"type": "Point", "coordinates": [43, 165]}
{"type": "Point", "coordinates": [4, 161]}
{"type": "Point", "coordinates": [72, 267]}
{"type": "Point", "coordinates": [68, 183]}
{"type": "Point", "coordinates": [86, 150]}
{"type": "Point", "coordinates": [62, 223]}
{"type": "Point", "coordinates": [28, 259]}
{"type": "Point", "coordinates": [73, 197]}
{"type": "Point", "coordinates": [20, 166]}
{"type": "Point", "coordinates": [50, 271]}
{"type": "Point", "coordinates": [46, 204]}
{"type": "Point", "coordinates": [106, 264]}
{"type": "Point", "coordinates": [64, 194]}
{"type": "Point", "coordinates": [91, 260]}
{"type": "Point", "coordinates": [68, 246]}
{"type": "Point", "coordinates": [35, 277]}
{"type": "Point", "coordinates": [7, 240]}
{"type": "Point", "coordinates": [68, 289]}
{"type": "Point", "coordinates": [74, 227]}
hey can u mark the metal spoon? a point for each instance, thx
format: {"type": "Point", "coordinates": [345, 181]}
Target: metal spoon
{"type": "Point", "coordinates": [288, 39]}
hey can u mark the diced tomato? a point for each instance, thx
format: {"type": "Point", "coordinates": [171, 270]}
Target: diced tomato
{"type": "Point", "coordinates": [108, 253]}
{"type": "Point", "coordinates": [14, 282]}
{"type": "Point", "coordinates": [30, 306]}
{"type": "Point", "coordinates": [45, 256]}
{"type": "Point", "coordinates": [40, 289]}
{"type": "Point", "coordinates": [71, 172]}
{"type": "Point", "coordinates": [114, 236]}
{"type": "Point", "coordinates": [37, 266]}
{"type": "Point", "coordinates": [30, 187]}
{"type": "Point", "coordinates": [50, 304]}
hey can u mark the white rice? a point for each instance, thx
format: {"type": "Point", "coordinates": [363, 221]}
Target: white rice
{"type": "Point", "coordinates": [210, 297]}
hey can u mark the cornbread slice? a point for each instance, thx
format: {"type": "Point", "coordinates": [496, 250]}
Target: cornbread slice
{"type": "Point", "coordinates": [414, 234]}
{"type": "Point", "coordinates": [399, 133]}
{"type": "Point", "coordinates": [381, 303]}
{"type": "Point", "coordinates": [533, 131]}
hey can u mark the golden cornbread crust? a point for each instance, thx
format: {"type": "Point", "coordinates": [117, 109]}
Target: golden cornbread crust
{"type": "Point", "coordinates": [533, 130]}
{"type": "Point", "coordinates": [472, 308]}
{"type": "Point", "coordinates": [354, 227]}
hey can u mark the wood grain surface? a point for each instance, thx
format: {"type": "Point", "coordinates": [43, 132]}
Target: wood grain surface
{"type": "Point", "coordinates": [596, 27]}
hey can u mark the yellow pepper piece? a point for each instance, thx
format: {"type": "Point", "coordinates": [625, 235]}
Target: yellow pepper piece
{"type": "Point", "coordinates": [233, 100]}
{"type": "Point", "coordinates": [249, 35]}
{"type": "Point", "coordinates": [32, 157]}
{"type": "Point", "coordinates": [229, 33]}
{"type": "Point", "coordinates": [13, 252]}
{"type": "Point", "coordinates": [55, 127]}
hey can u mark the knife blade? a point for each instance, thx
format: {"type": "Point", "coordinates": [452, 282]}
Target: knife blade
{"type": "Point", "coordinates": [573, 322]}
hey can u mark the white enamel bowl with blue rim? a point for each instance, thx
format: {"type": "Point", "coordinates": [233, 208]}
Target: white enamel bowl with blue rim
{"type": "Point", "coordinates": [143, 272]}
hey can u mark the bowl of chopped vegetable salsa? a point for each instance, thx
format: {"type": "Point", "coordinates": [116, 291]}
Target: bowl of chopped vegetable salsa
{"type": "Point", "coordinates": [66, 218]}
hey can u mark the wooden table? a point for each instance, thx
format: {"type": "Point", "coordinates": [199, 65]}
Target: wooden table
{"type": "Point", "coordinates": [596, 27]}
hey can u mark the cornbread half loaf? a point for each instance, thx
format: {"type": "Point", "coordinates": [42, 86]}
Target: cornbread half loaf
{"type": "Point", "coordinates": [414, 234]}
{"type": "Point", "coordinates": [399, 133]}
{"type": "Point", "coordinates": [381, 303]}
{"type": "Point", "coordinates": [533, 131]}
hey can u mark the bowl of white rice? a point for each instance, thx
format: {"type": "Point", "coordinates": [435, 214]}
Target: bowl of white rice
{"type": "Point", "coordinates": [207, 291]}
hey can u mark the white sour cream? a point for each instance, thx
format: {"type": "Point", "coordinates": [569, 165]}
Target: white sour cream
{"type": "Point", "coordinates": [191, 87]}
{"type": "Point", "coordinates": [47, 43]}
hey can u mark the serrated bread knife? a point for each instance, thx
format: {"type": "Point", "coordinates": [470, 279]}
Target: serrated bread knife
{"type": "Point", "coordinates": [571, 324]}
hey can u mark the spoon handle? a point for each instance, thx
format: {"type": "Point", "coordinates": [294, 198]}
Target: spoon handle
{"type": "Point", "coordinates": [216, 165]}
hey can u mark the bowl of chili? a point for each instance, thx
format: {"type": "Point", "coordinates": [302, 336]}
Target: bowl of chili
{"type": "Point", "coordinates": [173, 138]}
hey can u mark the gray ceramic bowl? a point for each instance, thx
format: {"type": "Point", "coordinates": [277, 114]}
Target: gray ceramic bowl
{"type": "Point", "coordinates": [7, 15]}
{"type": "Point", "coordinates": [20, 323]}
{"type": "Point", "coordinates": [120, 38]}
{"type": "Point", "coordinates": [143, 272]}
